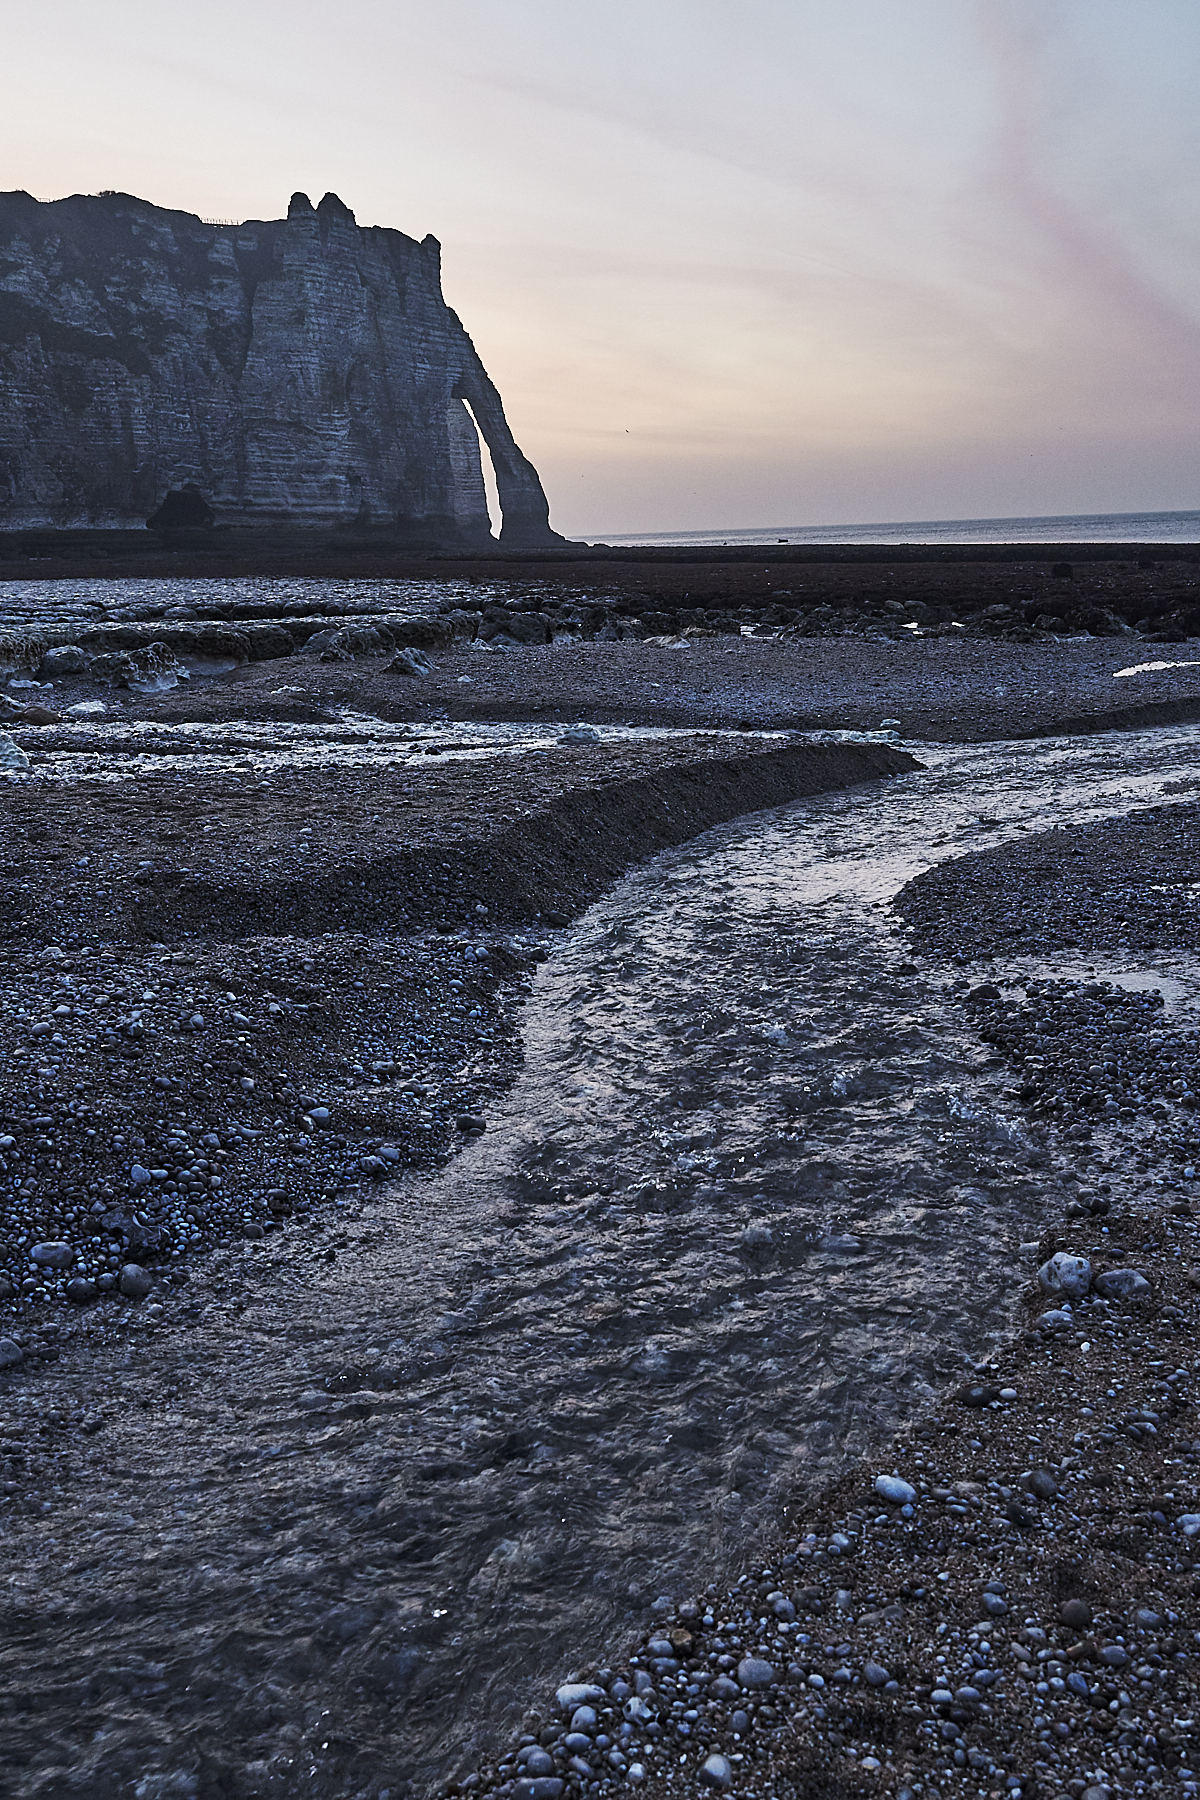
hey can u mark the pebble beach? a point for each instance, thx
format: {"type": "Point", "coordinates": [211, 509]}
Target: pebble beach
{"type": "Point", "coordinates": [247, 996]}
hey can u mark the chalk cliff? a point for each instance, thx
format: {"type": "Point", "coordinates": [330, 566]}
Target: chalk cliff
{"type": "Point", "coordinates": [301, 371]}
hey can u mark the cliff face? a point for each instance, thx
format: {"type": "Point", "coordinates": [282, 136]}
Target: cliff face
{"type": "Point", "coordinates": [300, 371]}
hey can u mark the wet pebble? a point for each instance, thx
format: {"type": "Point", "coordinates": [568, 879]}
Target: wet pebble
{"type": "Point", "coordinates": [1123, 1284]}
{"type": "Point", "coordinates": [753, 1672]}
{"type": "Point", "coordinates": [135, 1283]}
{"type": "Point", "coordinates": [716, 1771]}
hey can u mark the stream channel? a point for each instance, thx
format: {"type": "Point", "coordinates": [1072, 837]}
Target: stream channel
{"type": "Point", "coordinates": [757, 1188]}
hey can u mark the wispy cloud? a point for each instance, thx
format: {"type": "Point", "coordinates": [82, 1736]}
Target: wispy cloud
{"type": "Point", "coordinates": [782, 259]}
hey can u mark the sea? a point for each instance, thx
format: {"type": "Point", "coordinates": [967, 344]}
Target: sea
{"type": "Point", "coordinates": [1062, 528]}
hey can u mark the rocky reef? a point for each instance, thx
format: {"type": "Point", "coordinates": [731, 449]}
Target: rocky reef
{"type": "Point", "coordinates": [304, 371]}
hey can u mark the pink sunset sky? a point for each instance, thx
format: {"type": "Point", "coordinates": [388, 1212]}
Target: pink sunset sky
{"type": "Point", "coordinates": [729, 264]}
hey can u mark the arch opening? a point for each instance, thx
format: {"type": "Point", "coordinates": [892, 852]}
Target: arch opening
{"type": "Point", "coordinates": [491, 487]}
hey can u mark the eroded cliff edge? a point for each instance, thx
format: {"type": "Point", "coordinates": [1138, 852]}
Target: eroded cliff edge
{"type": "Point", "coordinates": [304, 371]}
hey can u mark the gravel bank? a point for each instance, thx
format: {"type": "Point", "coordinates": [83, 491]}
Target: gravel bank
{"type": "Point", "coordinates": [946, 690]}
{"type": "Point", "coordinates": [198, 1051]}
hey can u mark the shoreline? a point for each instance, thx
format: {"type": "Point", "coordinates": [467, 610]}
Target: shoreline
{"type": "Point", "coordinates": [120, 554]}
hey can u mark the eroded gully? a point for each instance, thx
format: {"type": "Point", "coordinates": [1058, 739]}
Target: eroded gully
{"type": "Point", "coordinates": [756, 1187]}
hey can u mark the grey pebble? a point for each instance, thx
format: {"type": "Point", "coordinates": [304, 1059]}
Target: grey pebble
{"type": "Point", "coordinates": [538, 1787]}
{"type": "Point", "coordinates": [1122, 1284]}
{"type": "Point", "coordinates": [135, 1283]}
{"type": "Point", "coordinates": [875, 1675]}
{"type": "Point", "coordinates": [53, 1255]}
{"type": "Point", "coordinates": [890, 1487]}
{"type": "Point", "coordinates": [753, 1672]}
{"type": "Point", "coordinates": [1065, 1274]}
{"type": "Point", "coordinates": [11, 1353]}
{"type": "Point", "coordinates": [1042, 1484]}
{"type": "Point", "coordinates": [716, 1772]}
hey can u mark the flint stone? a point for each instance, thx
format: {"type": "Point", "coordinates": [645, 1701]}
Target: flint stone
{"type": "Point", "coordinates": [1070, 1276]}
{"type": "Point", "coordinates": [583, 1719]}
{"type": "Point", "coordinates": [81, 1291]}
{"type": "Point", "coordinates": [892, 1488]}
{"type": "Point", "coordinates": [1055, 1320]}
{"type": "Point", "coordinates": [757, 1241]}
{"type": "Point", "coordinates": [579, 1693]}
{"type": "Point", "coordinates": [753, 1672]}
{"type": "Point", "coordinates": [413, 663]}
{"type": "Point", "coordinates": [716, 1772]}
{"type": "Point", "coordinates": [11, 1354]}
{"type": "Point", "coordinates": [1122, 1284]}
{"type": "Point", "coordinates": [1042, 1484]}
{"type": "Point", "coordinates": [875, 1675]}
{"type": "Point", "coordinates": [54, 1255]}
{"type": "Point", "coordinates": [724, 1689]}
{"type": "Point", "coordinates": [135, 1283]}
{"type": "Point", "coordinates": [64, 659]}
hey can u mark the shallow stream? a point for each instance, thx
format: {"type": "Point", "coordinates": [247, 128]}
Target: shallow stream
{"type": "Point", "coordinates": [757, 1187]}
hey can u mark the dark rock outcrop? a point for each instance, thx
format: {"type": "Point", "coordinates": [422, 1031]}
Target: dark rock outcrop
{"type": "Point", "coordinates": [300, 371]}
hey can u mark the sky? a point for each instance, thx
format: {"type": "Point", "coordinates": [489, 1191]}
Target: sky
{"type": "Point", "coordinates": [729, 262]}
